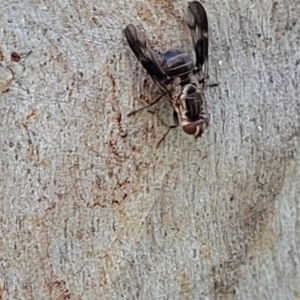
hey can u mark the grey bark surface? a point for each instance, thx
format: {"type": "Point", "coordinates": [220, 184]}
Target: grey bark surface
{"type": "Point", "coordinates": [90, 209]}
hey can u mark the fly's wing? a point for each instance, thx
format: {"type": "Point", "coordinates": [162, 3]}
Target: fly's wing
{"type": "Point", "coordinates": [139, 45]}
{"type": "Point", "coordinates": [196, 20]}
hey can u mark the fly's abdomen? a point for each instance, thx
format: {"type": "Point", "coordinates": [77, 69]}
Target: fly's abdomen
{"type": "Point", "coordinates": [178, 63]}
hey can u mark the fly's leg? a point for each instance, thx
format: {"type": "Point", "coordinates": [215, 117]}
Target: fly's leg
{"type": "Point", "coordinates": [203, 80]}
{"type": "Point", "coordinates": [175, 117]}
{"type": "Point", "coordinates": [212, 84]}
{"type": "Point", "coordinates": [147, 106]}
{"type": "Point", "coordinates": [164, 136]}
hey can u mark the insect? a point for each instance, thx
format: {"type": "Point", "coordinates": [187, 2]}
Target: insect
{"type": "Point", "coordinates": [180, 77]}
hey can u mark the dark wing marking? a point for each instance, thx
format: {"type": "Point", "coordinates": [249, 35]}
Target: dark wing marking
{"type": "Point", "coordinates": [196, 20]}
{"type": "Point", "coordinates": [139, 45]}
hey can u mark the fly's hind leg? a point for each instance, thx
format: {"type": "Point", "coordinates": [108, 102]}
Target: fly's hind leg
{"type": "Point", "coordinates": [204, 79]}
{"type": "Point", "coordinates": [203, 82]}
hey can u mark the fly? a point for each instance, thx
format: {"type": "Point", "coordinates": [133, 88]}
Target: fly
{"type": "Point", "coordinates": [180, 77]}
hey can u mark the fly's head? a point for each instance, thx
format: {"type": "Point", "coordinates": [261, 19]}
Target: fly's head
{"type": "Point", "coordinates": [195, 128]}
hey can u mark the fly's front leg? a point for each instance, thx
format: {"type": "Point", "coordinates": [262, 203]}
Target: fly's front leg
{"type": "Point", "coordinates": [147, 106]}
{"type": "Point", "coordinates": [164, 136]}
{"type": "Point", "coordinates": [175, 117]}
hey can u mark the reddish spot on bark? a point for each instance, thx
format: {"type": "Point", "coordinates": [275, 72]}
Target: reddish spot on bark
{"type": "Point", "coordinates": [113, 82]}
{"type": "Point", "coordinates": [122, 131]}
{"type": "Point", "coordinates": [15, 57]}
{"type": "Point", "coordinates": [32, 115]}
{"type": "Point", "coordinates": [4, 85]}
{"type": "Point", "coordinates": [113, 148]}
{"type": "Point", "coordinates": [97, 203]}
{"type": "Point", "coordinates": [121, 184]}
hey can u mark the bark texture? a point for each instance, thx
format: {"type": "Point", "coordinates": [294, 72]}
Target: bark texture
{"type": "Point", "coordinates": [90, 209]}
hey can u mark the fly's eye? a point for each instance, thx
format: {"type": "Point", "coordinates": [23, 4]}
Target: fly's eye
{"type": "Point", "coordinates": [195, 129]}
{"type": "Point", "coordinates": [190, 128]}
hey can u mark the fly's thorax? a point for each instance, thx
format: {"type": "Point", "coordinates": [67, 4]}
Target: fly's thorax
{"type": "Point", "coordinates": [194, 119]}
{"type": "Point", "coordinates": [191, 96]}
{"type": "Point", "coordinates": [189, 89]}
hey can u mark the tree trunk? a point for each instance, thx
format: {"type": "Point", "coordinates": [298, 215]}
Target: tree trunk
{"type": "Point", "coordinates": [91, 209]}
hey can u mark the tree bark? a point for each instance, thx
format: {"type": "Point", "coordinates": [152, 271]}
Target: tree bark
{"type": "Point", "coordinates": [91, 209]}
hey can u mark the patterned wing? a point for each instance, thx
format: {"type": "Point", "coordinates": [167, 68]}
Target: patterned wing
{"type": "Point", "coordinates": [196, 20]}
{"type": "Point", "coordinates": [139, 45]}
